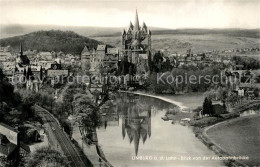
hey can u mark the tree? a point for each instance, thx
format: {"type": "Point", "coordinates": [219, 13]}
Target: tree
{"type": "Point", "coordinates": [4, 162]}
{"type": "Point", "coordinates": [2, 76]}
{"type": "Point", "coordinates": [83, 103]}
{"type": "Point", "coordinates": [207, 107]}
{"type": "Point", "coordinates": [46, 157]}
{"type": "Point", "coordinates": [232, 98]}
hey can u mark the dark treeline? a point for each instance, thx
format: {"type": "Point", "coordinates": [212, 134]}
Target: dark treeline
{"type": "Point", "coordinates": [54, 40]}
{"type": "Point", "coordinates": [248, 63]}
{"type": "Point", "coordinates": [14, 107]}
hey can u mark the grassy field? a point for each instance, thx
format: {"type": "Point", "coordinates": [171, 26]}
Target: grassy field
{"type": "Point", "coordinates": [239, 137]}
{"type": "Point", "coordinates": [172, 43]}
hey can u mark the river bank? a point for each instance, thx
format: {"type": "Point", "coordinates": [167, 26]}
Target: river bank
{"type": "Point", "coordinates": [191, 100]}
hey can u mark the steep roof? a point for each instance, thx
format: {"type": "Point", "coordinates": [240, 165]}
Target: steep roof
{"type": "Point", "coordinates": [130, 26]}
{"type": "Point", "coordinates": [85, 51]}
{"type": "Point", "coordinates": [144, 27]}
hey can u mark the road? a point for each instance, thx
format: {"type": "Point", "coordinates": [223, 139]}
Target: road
{"type": "Point", "coordinates": [63, 140]}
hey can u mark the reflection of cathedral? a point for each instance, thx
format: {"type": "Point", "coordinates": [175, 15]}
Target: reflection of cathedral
{"type": "Point", "coordinates": [136, 122]}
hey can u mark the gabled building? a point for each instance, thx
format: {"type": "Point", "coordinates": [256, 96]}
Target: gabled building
{"type": "Point", "coordinates": [9, 142]}
{"type": "Point", "coordinates": [85, 59]}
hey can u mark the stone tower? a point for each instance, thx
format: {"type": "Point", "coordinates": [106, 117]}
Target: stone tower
{"type": "Point", "coordinates": [136, 44]}
{"type": "Point", "coordinates": [85, 59]}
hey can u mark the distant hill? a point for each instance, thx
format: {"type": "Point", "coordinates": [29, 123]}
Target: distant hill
{"type": "Point", "coordinates": [54, 40]}
{"type": "Point", "coordinates": [250, 33]}
{"type": "Point", "coordinates": [15, 30]}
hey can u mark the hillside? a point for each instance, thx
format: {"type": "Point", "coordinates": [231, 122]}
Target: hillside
{"type": "Point", "coordinates": [11, 30]}
{"type": "Point", "coordinates": [54, 40]}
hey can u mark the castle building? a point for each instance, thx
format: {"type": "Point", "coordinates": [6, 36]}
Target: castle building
{"type": "Point", "coordinates": [102, 60]}
{"type": "Point", "coordinates": [136, 46]}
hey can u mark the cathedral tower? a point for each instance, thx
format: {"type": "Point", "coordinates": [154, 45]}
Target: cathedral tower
{"type": "Point", "coordinates": [136, 45]}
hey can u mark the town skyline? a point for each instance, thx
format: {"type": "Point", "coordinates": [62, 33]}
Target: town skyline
{"type": "Point", "coordinates": [163, 14]}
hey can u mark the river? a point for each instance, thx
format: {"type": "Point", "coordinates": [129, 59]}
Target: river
{"type": "Point", "coordinates": [133, 134]}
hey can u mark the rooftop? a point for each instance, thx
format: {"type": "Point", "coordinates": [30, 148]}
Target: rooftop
{"type": "Point", "coordinates": [101, 47]}
{"type": "Point", "coordinates": [85, 51]}
{"type": "Point", "coordinates": [112, 50]}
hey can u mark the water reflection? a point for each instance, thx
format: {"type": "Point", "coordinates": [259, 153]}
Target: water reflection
{"type": "Point", "coordinates": [135, 113]}
{"type": "Point", "coordinates": [136, 122]}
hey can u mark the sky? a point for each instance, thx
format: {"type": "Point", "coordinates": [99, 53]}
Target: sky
{"type": "Point", "coordinates": [171, 14]}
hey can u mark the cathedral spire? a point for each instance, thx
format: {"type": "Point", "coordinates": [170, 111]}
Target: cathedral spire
{"type": "Point", "coordinates": [136, 26]}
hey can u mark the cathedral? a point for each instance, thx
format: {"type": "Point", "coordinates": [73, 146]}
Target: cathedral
{"type": "Point", "coordinates": [136, 47]}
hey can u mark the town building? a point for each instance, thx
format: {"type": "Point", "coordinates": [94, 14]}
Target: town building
{"type": "Point", "coordinates": [9, 142]}
{"type": "Point", "coordinates": [103, 60]}
{"type": "Point", "coordinates": [45, 56]}
{"type": "Point", "coordinates": [85, 59]}
{"type": "Point", "coordinates": [57, 72]}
